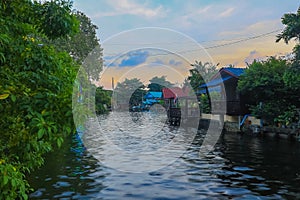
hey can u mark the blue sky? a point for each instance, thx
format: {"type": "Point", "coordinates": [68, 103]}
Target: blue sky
{"type": "Point", "coordinates": [223, 27]}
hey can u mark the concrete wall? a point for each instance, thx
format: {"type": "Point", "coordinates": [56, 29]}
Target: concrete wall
{"type": "Point", "coordinates": [228, 118]}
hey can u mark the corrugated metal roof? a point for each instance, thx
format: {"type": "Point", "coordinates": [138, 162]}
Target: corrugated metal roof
{"type": "Point", "coordinates": [226, 74]}
{"type": "Point", "coordinates": [234, 71]}
{"type": "Point", "coordinates": [215, 82]}
{"type": "Point", "coordinates": [171, 93]}
{"type": "Point", "coordinates": [151, 95]}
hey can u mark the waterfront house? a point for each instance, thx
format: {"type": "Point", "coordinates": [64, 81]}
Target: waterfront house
{"type": "Point", "coordinates": [223, 91]}
{"type": "Point", "coordinates": [180, 104]}
{"type": "Point", "coordinates": [152, 97]}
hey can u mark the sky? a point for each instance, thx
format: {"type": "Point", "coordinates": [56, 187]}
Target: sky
{"type": "Point", "coordinates": [146, 38]}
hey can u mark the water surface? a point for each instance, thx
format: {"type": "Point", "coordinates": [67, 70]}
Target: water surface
{"type": "Point", "coordinates": [240, 167]}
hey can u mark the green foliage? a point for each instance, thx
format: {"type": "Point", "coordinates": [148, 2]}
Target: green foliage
{"type": "Point", "coordinates": [158, 83]}
{"type": "Point", "coordinates": [55, 18]}
{"type": "Point", "coordinates": [288, 116]}
{"type": "Point", "coordinates": [263, 80]}
{"type": "Point", "coordinates": [201, 73]}
{"type": "Point", "coordinates": [265, 83]}
{"type": "Point", "coordinates": [36, 90]}
{"type": "Point", "coordinates": [102, 100]}
{"type": "Point", "coordinates": [292, 27]}
{"type": "Point", "coordinates": [274, 85]}
{"type": "Point", "coordinates": [83, 44]}
{"type": "Point", "coordinates": [11, 182]}
{"type": "Point", "coordinates": [291, 80]}
{"type": "Point", "coordinates": [291, 76]}
{"type": "Point", "coordinates": [129, 92]}
{"type": "Point", "coordinates": [205, 108]}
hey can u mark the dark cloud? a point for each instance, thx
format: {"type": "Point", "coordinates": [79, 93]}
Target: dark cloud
{"type": "Point", "coordinates": [133, 59]}
{"type": "Point", "coordinates": [253, 55]}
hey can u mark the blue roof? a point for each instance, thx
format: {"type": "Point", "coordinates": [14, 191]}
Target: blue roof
{"type": "Point", "coordinates": [215, 82]}
{"type": "Point", "coordinates": [235, 71]}
{"type": "Point", "coordinates": [153, 95]}
{"type": "Point", "coordinates": [230, 73]}
{"type": "Point", "coordinates": [212, 89]}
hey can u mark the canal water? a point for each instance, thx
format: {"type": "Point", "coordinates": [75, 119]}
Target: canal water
{"type": "Point", "coordinates": [240, 167]}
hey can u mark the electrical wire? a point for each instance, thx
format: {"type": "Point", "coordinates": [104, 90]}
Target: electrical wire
{"type": "Point", "coordinates": [204, 48]}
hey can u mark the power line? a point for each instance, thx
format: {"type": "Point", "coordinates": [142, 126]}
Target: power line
{"type": "Point", "coordinates": [210, 47]}
{"type": "Point", "coordinates": [243, 40]}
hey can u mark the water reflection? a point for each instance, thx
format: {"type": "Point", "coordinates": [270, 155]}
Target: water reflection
{"type": "Point", "coordinates": [241, 167]}
{"type": "Point", "coordinates": [67, 173]}
{"type": "Point", "coordinates": [118, 141]}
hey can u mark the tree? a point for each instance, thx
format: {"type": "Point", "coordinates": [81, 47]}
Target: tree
{"type": "Point", "coordinates": [36, 88]}
{"type": "Point", "coordinates": [130, 92]}
{"type": "Point", "coordinates": [292, 27]}
{"type": "Point", "coordinates": [83, 44]}
{"type": "Point", "coordinates": [102, 100]}
{"type": "Point", "coordinates": [158, 83]}
{"type": "Point", "coordinates": [264, 83]}
{"type": "Point", "coordinates": [292, 74]}
{"type": "Point", "coordinates": [199, 75]}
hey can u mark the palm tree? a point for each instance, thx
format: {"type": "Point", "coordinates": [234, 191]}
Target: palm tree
{"type": "Point", "coordinates": [292, 27]}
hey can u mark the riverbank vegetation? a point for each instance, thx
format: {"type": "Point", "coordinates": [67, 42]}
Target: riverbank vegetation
{"type": "Point", "coordinates": [40, 55]}
{"type": "Point", "coordinates": [42, 46]}
{"type": "Point", "coordinates": [274, 84]}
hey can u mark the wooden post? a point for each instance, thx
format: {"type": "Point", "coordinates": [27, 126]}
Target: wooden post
{"type": "Point", "coordinates": [221, 118]}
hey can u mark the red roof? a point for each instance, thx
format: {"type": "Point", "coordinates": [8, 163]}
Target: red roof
{"type": "Point", "coordinates": [172, 93]}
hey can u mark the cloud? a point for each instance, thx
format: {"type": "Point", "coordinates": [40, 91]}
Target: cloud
{"type": "Point", "coordinates": [260, 27]}
{"type": "Point", "coordinates": [158, 62]}
{"type": "Point", "coordinates": [253, 55]}
{"type": "Point", "coordinates": [110, 61]}
{"type": "Point", "coordinates": [126, 7]}
{"type": "Point", "coordinates": [228, 12]}
{"type": "Point", "coordinates": [175, 63]}
{"type": "Point", "coordinates": [134, 58]}
{"type": "Point", "coordinates": [188, 19]}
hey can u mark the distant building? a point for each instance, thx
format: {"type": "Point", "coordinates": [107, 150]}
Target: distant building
{"type": "Point", "coordinates": [152, 97]}
{"type": "Point", "coordinates": [180, 105]}
{"type": "Point", "coordinates": [171, 95]}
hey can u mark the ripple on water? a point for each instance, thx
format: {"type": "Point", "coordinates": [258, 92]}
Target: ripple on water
{"type": "Point", "coordinates": [239, 168]}
{"type": "Point", "coordinates": [60, 184]}
{"type": "Point", "coordinates": [243, 169]}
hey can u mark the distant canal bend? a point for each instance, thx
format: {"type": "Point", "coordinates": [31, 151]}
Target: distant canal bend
{"type": "Point", "coordinates": [240, 167]}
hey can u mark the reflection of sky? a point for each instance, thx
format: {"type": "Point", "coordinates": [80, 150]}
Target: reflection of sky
{"type": "Point", "coordinates": [225, 28]}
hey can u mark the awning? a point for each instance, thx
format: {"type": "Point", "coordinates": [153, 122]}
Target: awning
{"type": "Point", "coordinates": [215, 82]}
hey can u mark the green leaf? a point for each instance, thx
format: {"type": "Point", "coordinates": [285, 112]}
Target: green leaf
{"type": "Point", "coordinates": [59, 141]}
{"type": "Point", "coordinates": [41, 133]}
{"type": "Point", "coordinates": [13, 183]}
{"type": "Point", "coordinates": [3, 96]}
{"type": "Point", "coordinates": [5, 180]}
{"type": "Point", "coordinates": [13, 98]}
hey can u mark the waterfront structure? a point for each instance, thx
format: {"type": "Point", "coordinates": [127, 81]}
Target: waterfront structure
{"type": "Point", "coordinates": [152, 97]}
{"type": "Point", "coordinates": [226, 95]}
{"type": "Point", "coordinates": [180, 105]}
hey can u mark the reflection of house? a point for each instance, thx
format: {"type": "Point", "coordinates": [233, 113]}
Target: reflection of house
{"type": "Point", "coordinates": [152, 97]}
{"type": "Point", "coordinates": [222, 88]}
